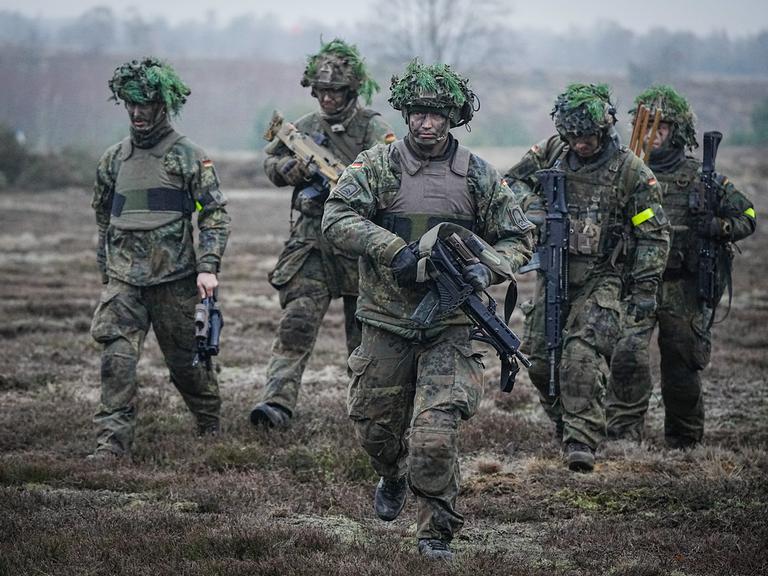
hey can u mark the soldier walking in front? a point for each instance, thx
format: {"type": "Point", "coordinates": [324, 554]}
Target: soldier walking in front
{"type": "Point", "coordinates": [412, 386]}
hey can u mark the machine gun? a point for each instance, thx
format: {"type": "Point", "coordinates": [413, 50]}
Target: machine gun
{"type": "Point", "coordinates": [208, 325]}
{"type": "Point", "coordinates": [551, 259]}
{"type": "Point", "coordinates": [449, 291]}
{"type": "Point", "coordinates": [324, 168]}
{"type": "Point", "coordinates": [711, 250]}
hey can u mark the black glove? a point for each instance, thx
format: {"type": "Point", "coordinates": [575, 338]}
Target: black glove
{"type": "Point", "coordinates": [404, 266]}
{"type": "Point", "coordinates": [642, 301]}
{"type": "Point", "coordinates": [715, 228]}
{"type": "Point", "coordinates": [479, 275]}
{"type": "Point", "coordinates": [292, 171]}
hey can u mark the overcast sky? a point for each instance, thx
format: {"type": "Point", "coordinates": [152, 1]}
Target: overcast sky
{"type": "Point", "coordinates": [738, 17]}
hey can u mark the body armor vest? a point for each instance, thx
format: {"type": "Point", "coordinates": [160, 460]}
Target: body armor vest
{"type": "Point", "coordinates": [679, 189]}
{"type": "Point", "coordinates": [597, 211]}
{"type": "Point", "coordinates": [146, 195]}
{"type": "Point", "coordinates": [430, 192]}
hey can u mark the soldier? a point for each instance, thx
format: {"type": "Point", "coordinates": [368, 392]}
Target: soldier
{"type": "Point", "coordinates": [412, 386]}
{"type": "Point", "coordinates": [147, 187]}
{"type": "Point", "coordinates": [309, 273]}
{"type": "Point", "coordinates": [684, 323]}
{"type": "Point", "coordinates": [618, 245]}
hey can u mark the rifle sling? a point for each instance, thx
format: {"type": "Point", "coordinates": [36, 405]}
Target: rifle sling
{"type": "Point", "coordinates": [339, 142]}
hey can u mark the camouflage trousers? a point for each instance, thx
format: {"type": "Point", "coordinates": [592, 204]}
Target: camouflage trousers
{"type": "Point", "coordinates": [591, 330]}
{"type": "Point", "coordinates": [406, 399]}
{"type": "Point", "coordinates": [684, 346]}
{"type": "Point", "coordinates": [304, 300]}
{"type": "Point", "coordinates": [120, 323]}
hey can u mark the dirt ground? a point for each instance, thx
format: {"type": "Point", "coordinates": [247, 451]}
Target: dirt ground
{"type": "Point", "coordinates": [300, 501]}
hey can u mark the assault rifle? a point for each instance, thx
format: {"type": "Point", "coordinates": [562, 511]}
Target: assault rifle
{"type": "Point", "coordinates": [551, 259]}
{"type": "Point", "coordinates": [208, 324]}
{"type": "Point", "coordinates": [711, 250]}
{"type": "Point", "coordinates": [324, 168]}
{"type": "Point", "coordinates": [449, 291]}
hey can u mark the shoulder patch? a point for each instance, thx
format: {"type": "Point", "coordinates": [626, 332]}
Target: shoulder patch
{"type": "Point", "coordinates": [347, 191]}
{"type": "Point", "coordinates": [651, 181]}
{"type": "Point", "coordinates": [206, 163]}
{"type": "Point", "coordinates": [355, 165]}
{"type": "Point", "coordinates": [389, 138]}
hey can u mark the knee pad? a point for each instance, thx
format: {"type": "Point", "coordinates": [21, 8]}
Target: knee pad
{"type": "Point", "coordinates": [298, 326]}
{"type": "Point", "coordinates": [433, 456]}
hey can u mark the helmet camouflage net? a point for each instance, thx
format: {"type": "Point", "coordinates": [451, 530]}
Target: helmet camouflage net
{"type": "Point", "coordinates": [150, 80]}
{"type": "Point", "coordinates": [674, 110]}
{"type": "Point", "coordinates": [339, 65]}
{"type": "Point", "coordinates": [434, 88]}
{"type": "Point", "coordinates": [584, 109]}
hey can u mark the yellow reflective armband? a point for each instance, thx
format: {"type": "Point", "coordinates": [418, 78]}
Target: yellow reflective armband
{"type": "Point", "coordinates": [641, 217]}
{"type": "Point", "coordinates": [198, 206]}
{"type": "Point", "coordinates": [750, 212]}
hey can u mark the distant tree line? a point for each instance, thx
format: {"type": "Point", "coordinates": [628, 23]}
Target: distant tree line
{"type": "Point", "coordinates": [460, 32]}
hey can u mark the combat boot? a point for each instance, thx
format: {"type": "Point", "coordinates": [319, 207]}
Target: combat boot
{"type": "Point", "coordinates": [270, 415]}
{"type": "Point", "coordinates": [105, 456]}
{"type": "Point", "coordinates": [208, 429]}
{"type": "Point", "coordinates": [390, 496]}
{"type": "Point", "coordinates": [579, 457]}
{"type": "Point", "coordinates": [434, 549]}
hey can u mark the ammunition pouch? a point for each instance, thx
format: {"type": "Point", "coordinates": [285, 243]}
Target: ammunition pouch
{"type": "Point", "coordinates": [413, 227]}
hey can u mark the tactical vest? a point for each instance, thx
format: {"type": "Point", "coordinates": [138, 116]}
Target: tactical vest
{"type": "Point", "coordinates": [349, 139]}
{"type": "Point", "coordinates": [430, 192]}
{"type": "Point", "coordinates": [146, 195]}
{"type": "Point", "coordinates": [597, 204]}
{"type": "Point", "coordinates": [679, 190]}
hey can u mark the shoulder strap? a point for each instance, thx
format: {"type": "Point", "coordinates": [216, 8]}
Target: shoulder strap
{"type": "Point", "coordinates": [347, 152]}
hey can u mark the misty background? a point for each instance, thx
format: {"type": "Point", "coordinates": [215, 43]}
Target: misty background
{"type": "Point", "coordinates": [243, 59]}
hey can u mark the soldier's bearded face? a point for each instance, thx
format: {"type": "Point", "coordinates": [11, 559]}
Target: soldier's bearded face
{"type": "Point", "coordinates": [428, 128]}
{"type": "Point", "coordinates": [332, 100]}
{"type": "Point", "coordinates": [144, 117]}
{"type": "Point", "coordinates": [662, 133]}
{"type": "Point", "coordinates": [584, 146]}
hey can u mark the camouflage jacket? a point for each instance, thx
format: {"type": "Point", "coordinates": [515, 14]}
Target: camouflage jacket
{"type": "Point", "coordinates": [369, 185]}
{"type": "Point", "coordinates": [619, 227]}
{"type": "Point", "coordinates": [680, 185]}
{"type": "Point", "coordinates": [149, 257]}
{"type": "Point", "coordinates": [362, 129]}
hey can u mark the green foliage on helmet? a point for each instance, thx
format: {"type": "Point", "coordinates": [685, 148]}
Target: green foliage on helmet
{"type": "Point", "coordinates": [149, 80]}
{"type": "Point", "coordinates": [674, 109]}
{"type": "Point", "coordinates": [339, 65]}
{"type": "Point", "coordinates": [434, 88]}
{"type": "Point", "coordinates": [584, 109]}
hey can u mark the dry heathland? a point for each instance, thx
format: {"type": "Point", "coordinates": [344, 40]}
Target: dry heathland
{"type": "Point", "coordinates": [299, 501]}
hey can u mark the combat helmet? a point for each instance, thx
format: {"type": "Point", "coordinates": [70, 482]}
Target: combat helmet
{"type": "Point", "coordinates": [583, 110]}
{"type": "Point", "coordinates": [434, 88]}
{"type": "Point", "coordinates": [149, 80]}
{"type": "Point", "coordinates": [339, 65]}
{"type": "Point", "coordinates": [674, 109]}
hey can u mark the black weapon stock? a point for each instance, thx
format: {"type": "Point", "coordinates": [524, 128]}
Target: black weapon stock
{"type": "Point", "coordinates": [553, 256]}
{"type": "Point", "coordinates": [709, 248]}
{"type": "Point", "coordinates": [208, 325]}
{"type": "Point", "coordinates": [450, 291]}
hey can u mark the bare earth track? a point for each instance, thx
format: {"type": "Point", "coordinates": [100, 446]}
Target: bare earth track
{"type": "Point", "coordinates": [299, 502]}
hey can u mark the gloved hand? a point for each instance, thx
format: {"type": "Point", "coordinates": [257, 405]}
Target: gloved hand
{"type": "Point", "coordinates": [479, 275]}
{"type": "Point", "coordinates": [404, 265]}
{"type": "Point", "coordinates": [292, 171]}
{"type": "Point", "coordinates": [642, 301]}
{"type": "Point", "coordinates": [715, 228]}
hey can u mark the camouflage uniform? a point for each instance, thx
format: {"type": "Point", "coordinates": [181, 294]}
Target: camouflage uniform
{"type": "Point", "coordinates": [683, 321]}
{"type": "Point", "coordinates": [616, 246]}
{"type": "Point", "coordinates": [411, 386]}
{"type": "Point", "coordinates": [147, 188]}
{"type": "Point", "coordinates": [309, 272]}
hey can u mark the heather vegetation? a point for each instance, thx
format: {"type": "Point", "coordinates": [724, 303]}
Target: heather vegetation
{"type": "Point", "coordinates": [300, 501]}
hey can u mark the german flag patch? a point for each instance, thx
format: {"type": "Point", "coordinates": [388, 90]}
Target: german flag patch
{"type": "Point", "coordinates": [207, 163]}
{"type": "Point", "coordinates": [356, 165]}
{"type": "Point", "coordinates": [651, 181]}
{"type": "Point", "coordinates": [389, 138]}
